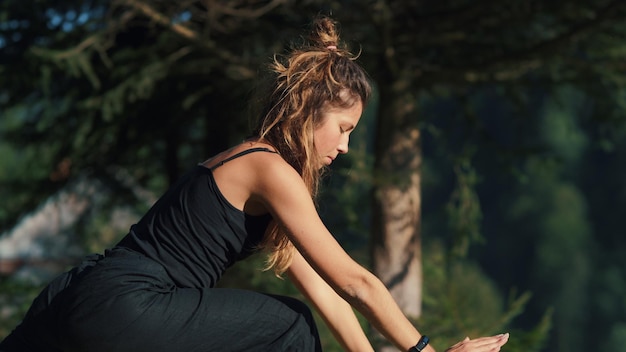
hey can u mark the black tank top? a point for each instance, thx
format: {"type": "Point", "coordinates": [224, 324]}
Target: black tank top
{"type": "Point", "coordinates": [194, 232]}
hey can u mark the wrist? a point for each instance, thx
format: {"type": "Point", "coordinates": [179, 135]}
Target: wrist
{"type": "Point", "coordinates": [421, 344]}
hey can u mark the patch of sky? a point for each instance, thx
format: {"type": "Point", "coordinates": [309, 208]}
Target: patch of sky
{"type": "Point", "coordinates": [82, 18]}
{"type": "Point", "coordinates": [71, 19]}
{"type": "Point", "coordinates": [70, 15]}
{"type": "Point", "coordinates": [182, 17]}
{"type": "Point", "coordinates": [67, 21]}
{"type": "Point", "coordinates": [13, 24]}
{"type": "Point", "coordinates": [67, 26]}
{"type": "Point", "coordinates": [54, 18]}
{"type": "Point", "coordinates": [11, 27]}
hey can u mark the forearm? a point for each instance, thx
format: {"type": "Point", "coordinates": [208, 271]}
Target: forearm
{"type": "Point", "coordinates": [345, 326]}
{"type": "Point", "coordinates": [335, 311]}
{"type": "Point", "coordinates": [373, 300]}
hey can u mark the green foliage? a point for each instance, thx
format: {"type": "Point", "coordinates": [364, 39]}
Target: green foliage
{"type": "Point", "coordinates": [616, 340]}
{"type": "Point", "coordinates": [562, 233]}
{"type": "Point", "coordinates": [460, 300]}
{"type": "Point", "coordinates": [15, 299]}
{"type": "Point", "coordinates": [463, 209]}
{"type": "Point", "coordinates": [24, 172]}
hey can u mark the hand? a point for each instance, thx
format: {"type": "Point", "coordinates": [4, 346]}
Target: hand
{"type": "Point", "coordinates": [483, 344]}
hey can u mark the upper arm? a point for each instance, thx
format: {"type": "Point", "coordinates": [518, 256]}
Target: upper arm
{"type": "Point", "coordinates": [287, 198]}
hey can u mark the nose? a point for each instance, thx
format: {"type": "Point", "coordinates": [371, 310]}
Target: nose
{"type": "Point", "coordinates": [342, 148]}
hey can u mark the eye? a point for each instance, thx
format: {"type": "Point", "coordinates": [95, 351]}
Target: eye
{"type": "Point", "coordinates": [345, 128]}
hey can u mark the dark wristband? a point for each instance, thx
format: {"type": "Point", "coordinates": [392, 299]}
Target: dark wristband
{"type": "Point", "coordinates": [420, 344]}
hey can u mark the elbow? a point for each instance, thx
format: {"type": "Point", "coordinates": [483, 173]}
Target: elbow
{"type": "Point", "coordinates": [360, 289]}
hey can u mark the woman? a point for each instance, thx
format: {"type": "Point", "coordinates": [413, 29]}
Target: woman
{"type": "Point", "coordinates": [154, 291]}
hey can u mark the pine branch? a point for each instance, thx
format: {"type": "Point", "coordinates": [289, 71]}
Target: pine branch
{"type": "Point", "coordinates": [163, 20]}
{"type": "Point", "coordinates": [245, 12]}
{"type": "Point", "coordinates": [515, 64]}
{"type": "Point", "coordinates": [202, 41]}
{"type": "Point", "coordinates": [568, 36]}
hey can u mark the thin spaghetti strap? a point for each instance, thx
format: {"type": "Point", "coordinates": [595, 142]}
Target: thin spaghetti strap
{"type": "Point", "coordinates": [247, 151]}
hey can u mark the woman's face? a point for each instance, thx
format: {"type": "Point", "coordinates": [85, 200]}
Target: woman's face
{"type": "Point", "coordinates": [331, 138]}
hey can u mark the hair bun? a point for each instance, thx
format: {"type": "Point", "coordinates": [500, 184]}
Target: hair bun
{"type": "Point", "coordinates": [324, 33]}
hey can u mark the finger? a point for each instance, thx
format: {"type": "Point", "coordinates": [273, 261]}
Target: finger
{"type": "Point", "coordinates": [458, 344]}
{"type": "Point", "coordinates": [480, 344]}
{"type": "Point", "coordinates": [489, 342]}
{"type": "Point", "coordinates": [494, 337]}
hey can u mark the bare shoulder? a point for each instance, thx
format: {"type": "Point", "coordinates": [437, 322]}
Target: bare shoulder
{"type": "Point", "coordinates": [248, 173]}
{"type": "Point", "coordinates": [263, 173]}
{"type": "Point", "coordinates": [265, 163]}
{"type": "Point", "coordinates": [271, 179]}
{"type": "Point", "coordinates": [273, 172]}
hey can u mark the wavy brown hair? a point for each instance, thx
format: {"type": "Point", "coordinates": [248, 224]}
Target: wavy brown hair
{"type": "Point", "coordinates": [319, 74]}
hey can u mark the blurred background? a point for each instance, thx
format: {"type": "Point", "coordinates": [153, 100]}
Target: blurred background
{"type": "Point", "coordinates": [485, 183]}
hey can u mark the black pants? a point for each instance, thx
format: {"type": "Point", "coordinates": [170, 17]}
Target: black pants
{"type": "Point", "coordinates": [126, 302]}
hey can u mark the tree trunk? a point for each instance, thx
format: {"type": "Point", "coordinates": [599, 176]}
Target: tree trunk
{"type": "Point", "coordinates": [396, 247]}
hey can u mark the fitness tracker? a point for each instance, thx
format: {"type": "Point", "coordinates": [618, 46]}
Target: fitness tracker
{"type": "Point", "coordinates": [420, 344]}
